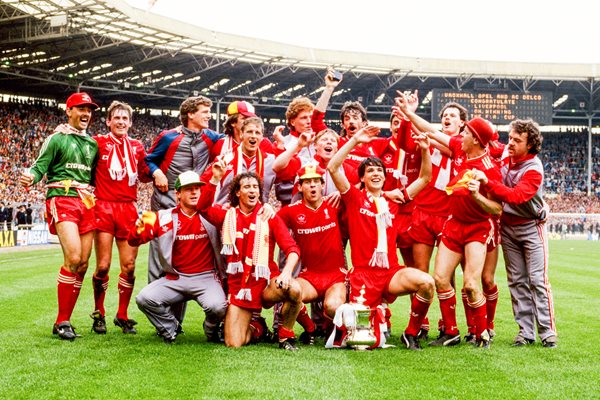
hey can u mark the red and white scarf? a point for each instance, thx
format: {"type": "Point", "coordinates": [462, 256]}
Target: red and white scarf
{"type": "Point", "coordinates": [121, 160]}
{"type": "Point", "coordinates": [237, 160]}
{"type": "Point", "coordinates": [383, 219]}
{"type": "Point", "coordinates": [240, 260]}
{"type": "Point", "coordinates": [399, 157]}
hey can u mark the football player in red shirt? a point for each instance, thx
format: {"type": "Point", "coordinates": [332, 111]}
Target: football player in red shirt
{"type": "Point", "coordinates": [373, 230]}
{"type": "Point", "coordinates": [315, 226]}
{"type": "Point", "coordinates": [254, 278]}
{"type": "Point", "coordinates": [120, 159]}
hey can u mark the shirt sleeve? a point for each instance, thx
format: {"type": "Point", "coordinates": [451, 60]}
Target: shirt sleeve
{"type": "Point", "coordinates": [521, 193]}
{"type": "Point", "coordinates": [455, 145]}
{"type": "Point", "coordinates": [47, 154]}
{"type": "Point", "coordinates": [157, 153]}
{"type": "Point", "coordinates": [405, 140]}
{"type": "Point", "coordinates": [150, 232]}
{"type": "Point", "coordinates": [214, 214]}
{"type": "Point", "coordinates": [282, 236]}
{"type": "Point", "coordinates": [289, 172]}
{"type": "Point", "coordinates": [267, 146]}
{"type": "Point", "coordinates": [318, 121]}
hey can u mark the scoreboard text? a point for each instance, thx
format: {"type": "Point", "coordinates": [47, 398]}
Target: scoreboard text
{"type": "Point", "coordinates": [498, 107]}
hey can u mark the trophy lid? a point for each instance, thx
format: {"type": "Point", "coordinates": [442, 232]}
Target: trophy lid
{"type": "Point", "coordinates": [360, 300]}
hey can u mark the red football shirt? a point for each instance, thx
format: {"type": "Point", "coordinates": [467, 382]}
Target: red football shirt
{"type": "Point", "coordinates": [317, 233]}
{"type": "Point", "coordinates": [107, 188]}
{"type": "Point", "coordinates": [192, 250]}
{"type": "Point", "coordinates": [462, 206]}
{"type": "Point", "coordinates": [363, 228]}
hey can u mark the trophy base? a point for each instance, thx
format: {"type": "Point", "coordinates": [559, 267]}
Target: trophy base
{"type": "Point", "coordinates": [360, 347]}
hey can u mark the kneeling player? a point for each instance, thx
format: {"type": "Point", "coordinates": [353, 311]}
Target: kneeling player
{"type": "Point", "coordinates": [315, 226]}
{"type": "Point", "coordinates": [249, 242]}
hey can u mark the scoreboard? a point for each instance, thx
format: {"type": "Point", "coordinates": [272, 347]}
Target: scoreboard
{"type": "Point", "coordinates": [500, 107]}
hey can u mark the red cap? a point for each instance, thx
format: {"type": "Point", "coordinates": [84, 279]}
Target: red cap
{"type": "Point", "coordinates": [80, 99]}
{"type": "Point", "coordinates": [241, 107]}
{"type": "Point", "coordinates": [482, 129]}
{"type": "Point", "coordinates": [310, 171]}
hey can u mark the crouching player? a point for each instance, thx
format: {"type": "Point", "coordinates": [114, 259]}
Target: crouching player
{"type": "Point", "coordinates": [314, 224]}
{"type": "Point", "coordinates": [248, 243]}
{"type": "Point", "coordinates": [186, 252]}
{"type": "Point", "coordinates": [373, 230]}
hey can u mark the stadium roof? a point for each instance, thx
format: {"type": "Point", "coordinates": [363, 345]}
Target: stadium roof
{"type": "Point", "coordinates": [49, 48]}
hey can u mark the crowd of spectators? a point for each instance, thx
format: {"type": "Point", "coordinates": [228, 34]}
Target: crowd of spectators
{"type": "Point", "coordinates": [565, 156]}
{"type": "Point", "coordinates": [24, 126]}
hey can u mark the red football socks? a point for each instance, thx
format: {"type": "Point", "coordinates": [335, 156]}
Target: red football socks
{"type": "Point", "coordinates": [125, 291]}
{"type": "Point", "coordinates": [418, 310]}
{"type": "Point", "coordinates": [448, 308]}
{"type": "Point", "coordinates": [468, 312]}
{"type": "Point", "coordinates": [100, 285]}
{"type": "Point", "coordinates": [304, 320]}
{"type": "Point", "coordinates": [66, 282]}
{"type": "Point", "coordinates": [491, 301]}
{"type": "Point", "coordinates": [478, 310]}
{"type": "Point", "coordinates": [285, 333]}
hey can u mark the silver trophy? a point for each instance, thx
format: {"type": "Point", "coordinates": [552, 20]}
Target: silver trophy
{"type": "Point", "coordinates": [360, 332]}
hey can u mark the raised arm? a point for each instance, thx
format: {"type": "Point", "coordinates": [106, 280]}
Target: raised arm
{"type": "Point", "coordinates": [330, 85]}
{"type": "Point", "coordinates": [402, 102]}
{"type": "Point", "coordinates": [425, 172]}
{"type": "Point", "coordinates": [364, 135]}
{"type": "Point", "coordinates": [282, 160]}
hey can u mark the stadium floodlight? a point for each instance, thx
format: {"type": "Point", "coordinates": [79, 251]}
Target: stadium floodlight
{"type": "Point", "coordinates": [59, 20]}
{"type": "Point", "coordinates": [560, 101]}
{"type": "Point", "coordinates": [427, 98]}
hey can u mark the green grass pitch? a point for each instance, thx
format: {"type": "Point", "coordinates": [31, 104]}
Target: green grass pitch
{"type": "Point", "coordinates": [37, 365]}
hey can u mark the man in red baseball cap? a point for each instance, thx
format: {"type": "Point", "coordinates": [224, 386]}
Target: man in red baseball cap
{"type": "Point", "coordinates": [68, 158]}
{"type": "Point", "coordinates": [80, 99]}
{"type": "Point", "coordinates": [237, 113]}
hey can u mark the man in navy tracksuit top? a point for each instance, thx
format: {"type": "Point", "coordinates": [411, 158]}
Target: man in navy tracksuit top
{"type": "Point", "coordinates": [187, 147]}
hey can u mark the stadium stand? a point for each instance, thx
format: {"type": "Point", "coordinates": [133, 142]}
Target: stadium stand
{"type": "Point", "coordinates": [24, 126]}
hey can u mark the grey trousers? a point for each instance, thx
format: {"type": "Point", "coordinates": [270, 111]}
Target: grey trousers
{"type": "Point", "coordinates": [525, 250]}
{"type": "Point", "coordinates": [156, 299]}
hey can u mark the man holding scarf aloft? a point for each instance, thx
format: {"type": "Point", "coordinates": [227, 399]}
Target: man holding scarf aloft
{"type": "Point", "coordinates": [372, 231]}
{"type": "Point", "coordinates": [248, 244]}
{"type": "Point", "coordinates": [120, 159]}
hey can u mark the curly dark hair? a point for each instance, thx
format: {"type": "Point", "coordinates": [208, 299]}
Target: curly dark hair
{"type": "Point", "coordinates": [234, 200]}
{"type": "Point", "coordinates": [534, 136]}
{"type": "Point", "coordinates": [368, 162]}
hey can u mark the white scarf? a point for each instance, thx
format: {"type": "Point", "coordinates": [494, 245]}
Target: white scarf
{"type": "Point", "coordinates": [122, 164]}
{"type": "Point", "coordinates": [383, 219]}
{"type": "Point", "coordinates": [257, 259]}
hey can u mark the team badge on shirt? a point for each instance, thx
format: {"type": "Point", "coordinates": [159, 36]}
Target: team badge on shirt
{"type": "Point", "coordinates": [326, 212]}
